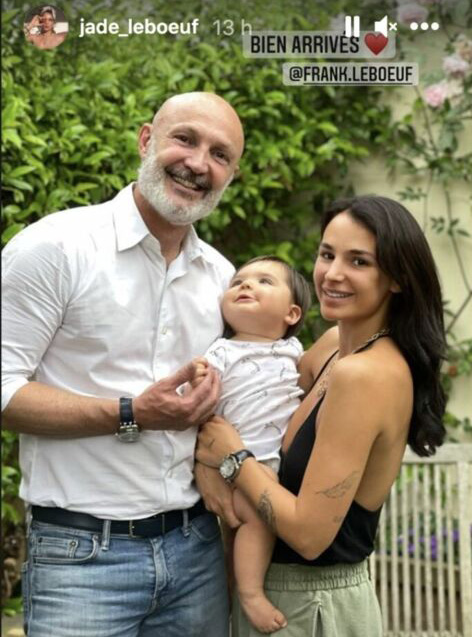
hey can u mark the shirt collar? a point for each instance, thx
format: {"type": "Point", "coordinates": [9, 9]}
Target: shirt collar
{"type": "Point", "coordinates": [191, 245]}
{"type": "Point", "coordinates": [130, 228]}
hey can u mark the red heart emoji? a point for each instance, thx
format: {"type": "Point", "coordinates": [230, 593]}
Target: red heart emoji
{"type": "Point", "coordinates": [376, 42]}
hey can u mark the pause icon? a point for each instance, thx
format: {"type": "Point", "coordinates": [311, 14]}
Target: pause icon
{"type": "Point", "coordinates": [352, 26]}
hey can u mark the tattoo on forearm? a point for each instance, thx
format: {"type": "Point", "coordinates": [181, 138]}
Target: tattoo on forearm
{"type": "Point", "coordinates": [265, 510]}
{"type": "Point", "coordinates": [339, 489]}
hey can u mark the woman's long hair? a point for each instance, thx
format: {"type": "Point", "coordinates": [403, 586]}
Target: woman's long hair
{"type": "Point", "coordinates": [415, 316]}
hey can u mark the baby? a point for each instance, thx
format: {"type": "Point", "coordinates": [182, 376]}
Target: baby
{"type": "Point", "coordinates": [263, 308]}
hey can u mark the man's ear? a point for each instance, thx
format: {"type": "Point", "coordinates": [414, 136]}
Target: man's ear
{"type": "Point", "coordinates": [293, 315]}
{"type": "Point", "coordinates": [144, 137]}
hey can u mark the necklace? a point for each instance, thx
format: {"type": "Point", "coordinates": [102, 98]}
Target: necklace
{"type": "Point", "coordinates": [322, 384]}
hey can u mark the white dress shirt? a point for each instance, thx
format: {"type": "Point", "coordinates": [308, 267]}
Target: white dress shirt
{"type": "Point", "coordinates": [90, 306]}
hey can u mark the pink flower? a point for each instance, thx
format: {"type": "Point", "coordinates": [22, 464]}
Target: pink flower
{"type": "Point", "coordinates": [411, 12]}
{"type": "Point", "coordinates": [454, 65]}
{"type": "Point", "coordinates": [435, 95]}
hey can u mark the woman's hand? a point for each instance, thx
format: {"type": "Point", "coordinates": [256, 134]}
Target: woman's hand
{"type": "Point", "coordinates": [216, 439]}
{"type": "Point", "coordinates": [34, 24]}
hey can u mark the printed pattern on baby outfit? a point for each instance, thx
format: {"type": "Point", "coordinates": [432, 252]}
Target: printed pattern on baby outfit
{"type": "Point", "coordinates": [260, 390]}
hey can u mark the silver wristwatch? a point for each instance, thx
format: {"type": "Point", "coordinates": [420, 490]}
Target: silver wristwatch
{"type": "Point", "coordinates": [128, 431]}
{"type": "Point", "coordinates": [231, 464]}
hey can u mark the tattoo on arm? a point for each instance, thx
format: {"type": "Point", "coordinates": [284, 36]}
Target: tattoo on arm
{"type": "Point", "coordinates": [265, 510]}
{"type": "Point", "coordinates": [339, 489]}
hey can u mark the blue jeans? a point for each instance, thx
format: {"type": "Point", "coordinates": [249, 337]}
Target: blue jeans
{"type": "Point", "coordinates": [83, 584]}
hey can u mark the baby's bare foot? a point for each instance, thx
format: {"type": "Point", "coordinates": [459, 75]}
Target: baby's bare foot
{"type": "Point", "coordinates": [261, 613]}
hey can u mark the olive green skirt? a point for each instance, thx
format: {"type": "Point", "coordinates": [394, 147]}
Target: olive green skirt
{"type": "Point", "coordinates": [319, 601]}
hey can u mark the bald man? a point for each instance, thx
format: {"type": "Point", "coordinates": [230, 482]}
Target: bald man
{"type": "Point", "coordinates": [103, 308]}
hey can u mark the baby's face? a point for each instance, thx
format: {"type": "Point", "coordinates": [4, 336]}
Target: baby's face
{"type": "Point", "coordinates": [259, 300]}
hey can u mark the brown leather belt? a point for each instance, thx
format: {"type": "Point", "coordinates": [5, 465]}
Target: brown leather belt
{"type": "Point", "coordinates": [158, 524]}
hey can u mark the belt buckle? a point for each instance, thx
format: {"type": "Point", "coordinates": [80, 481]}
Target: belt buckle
{"type": "Point", "coordinates": [131, 528]}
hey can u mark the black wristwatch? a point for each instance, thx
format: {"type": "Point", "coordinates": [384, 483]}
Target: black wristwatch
{"type": "Point", "coordinates": [128, 431]}
{"type": "Point", "coordinates": [231, 464]}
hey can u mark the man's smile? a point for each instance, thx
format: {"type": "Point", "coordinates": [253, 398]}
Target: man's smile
{"type": "Point", "coordinates": [187, 179]}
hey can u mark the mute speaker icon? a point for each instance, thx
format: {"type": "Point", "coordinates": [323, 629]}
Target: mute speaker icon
{"type": "Point", "coordinates": [381, 26]}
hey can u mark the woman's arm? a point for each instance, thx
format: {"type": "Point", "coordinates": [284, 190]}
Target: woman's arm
{"type": "Point", "coordinates": [35, 22]}
{"type": "Point", "coordinates": [350, 423]}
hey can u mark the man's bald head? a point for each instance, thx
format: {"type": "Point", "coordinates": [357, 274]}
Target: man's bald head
{"type": "Point", "coordinates": [210, 103]}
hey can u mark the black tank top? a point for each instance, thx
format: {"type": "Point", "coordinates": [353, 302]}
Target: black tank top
{"type": "Point", "coordinates": [355, 538]}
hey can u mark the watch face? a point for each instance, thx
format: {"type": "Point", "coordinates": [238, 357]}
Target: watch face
{"type": "Point", "coordinates": [227, 468]}
{"type": "Point", "coordinates": [128, 433]}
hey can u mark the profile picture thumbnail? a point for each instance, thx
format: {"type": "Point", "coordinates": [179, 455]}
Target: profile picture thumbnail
{"type": "Point", "coordinates": [46, 26]}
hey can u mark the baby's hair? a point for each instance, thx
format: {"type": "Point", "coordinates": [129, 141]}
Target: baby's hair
{"type": "Point", "coordinates": [301, 293]}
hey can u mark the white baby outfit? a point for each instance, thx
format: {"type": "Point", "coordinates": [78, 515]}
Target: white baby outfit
{"type": "Point", "coordinates": [259, 390]}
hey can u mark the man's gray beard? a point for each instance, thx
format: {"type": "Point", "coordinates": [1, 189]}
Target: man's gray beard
{"type": "Point", "coordinates": [151, 182]}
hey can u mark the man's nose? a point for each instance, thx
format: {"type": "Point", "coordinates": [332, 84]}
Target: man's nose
{"type": "Point", "coordinates": [197, 161]}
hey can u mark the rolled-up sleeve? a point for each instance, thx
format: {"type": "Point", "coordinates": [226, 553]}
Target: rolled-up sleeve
{"type": "Point", "coordinates": [35, 282]}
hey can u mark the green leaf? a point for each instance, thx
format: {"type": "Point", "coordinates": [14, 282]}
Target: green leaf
{"type": "Point", "coordinates": [20, 171]}
{"type": "Point", "coordinates": [97, 157]}
{"type": "Point", "coordinates": [10, 135]}
{"type": "Point", "coordinates": [10, 232]}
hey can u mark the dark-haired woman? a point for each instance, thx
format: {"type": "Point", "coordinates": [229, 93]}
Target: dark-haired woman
{"type": "Point", "coordinates": [372, 387]}
{"type": "Point", "coordinates": [41, 30]}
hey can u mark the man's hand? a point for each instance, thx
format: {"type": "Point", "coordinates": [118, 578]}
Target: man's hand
{"type": "Point", "coordinates": [161, 407]}
{"type": "Point", "coordinates": [217, 495]}
{"type": "Point", "coordinates": [201, 371]}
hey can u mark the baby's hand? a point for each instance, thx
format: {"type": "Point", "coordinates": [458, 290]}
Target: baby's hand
{"type": "Point", "coordinates": [201, 370]}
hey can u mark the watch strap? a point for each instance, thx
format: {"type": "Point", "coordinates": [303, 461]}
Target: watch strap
{"type": "Point", "coordinates": [128, 430]}
{"type": "Point", "coordinates": [243, 455]}
{"type": "Point", "coordinates": [126, 411]}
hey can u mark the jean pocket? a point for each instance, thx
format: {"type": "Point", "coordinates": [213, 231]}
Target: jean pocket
{"type": "Point", "coordinates": [206, 527]}
{"type": "Point", "coordinates": [63, 547]}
